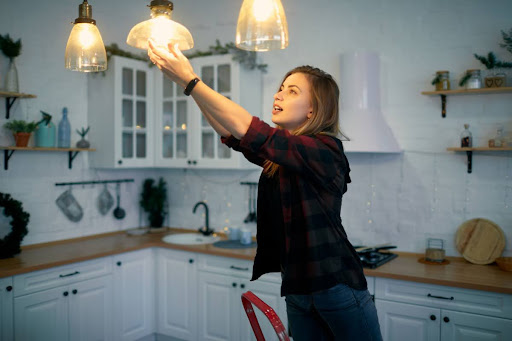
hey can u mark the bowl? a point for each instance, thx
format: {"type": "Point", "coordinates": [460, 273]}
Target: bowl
{"type": "Point", "coordinates": [504, 263]}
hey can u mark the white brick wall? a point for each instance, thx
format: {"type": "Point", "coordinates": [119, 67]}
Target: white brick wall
{"type": "Point", "coordinates": [404, 199]}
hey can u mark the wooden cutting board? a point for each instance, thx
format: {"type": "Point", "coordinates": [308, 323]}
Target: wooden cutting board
{"type": "Point", "coordinates": [480, 241]}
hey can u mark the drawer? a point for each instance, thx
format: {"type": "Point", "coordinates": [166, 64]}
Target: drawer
{"type": "Point", "coordinates": [444, 297]}
{"type": "Point", "coordinates": [62, 275]}
{"type": "Point", "coordinates": [224, 265]}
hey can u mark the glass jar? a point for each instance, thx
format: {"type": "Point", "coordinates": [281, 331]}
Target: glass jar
{"type": "Point", "coordinates": [443, 80]}
{"type": "Point", "coordinates": [475, 80]}
{"type": "Point", "coordinates": [466, 138]}
{"type": "Point", "coordinates": [499, 138]}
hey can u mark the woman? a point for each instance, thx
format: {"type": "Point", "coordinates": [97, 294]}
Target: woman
{"type": "Point", "coordinates": [305, 174]}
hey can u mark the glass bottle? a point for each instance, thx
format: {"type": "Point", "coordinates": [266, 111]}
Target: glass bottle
{"type": "Point", "coordinates": [466, 138]}
{"type": "Point", "coordinates": [443, 80]}
{"type": "Point", "coordinates": [498, 139]}
{"type": "Point", "coordinates": [64, 133]}
{"type": "Point", "coordinates": [475, 80]}
{"type": "Point", "coordinates": [11, 78]}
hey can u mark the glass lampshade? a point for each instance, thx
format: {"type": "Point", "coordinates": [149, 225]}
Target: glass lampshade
{"type": "Point", "coordinates": [160, 28]}
{"type": "Point", "coordinates": [85, 50]}
{"type": "Point", "coordinates": [262, 26]}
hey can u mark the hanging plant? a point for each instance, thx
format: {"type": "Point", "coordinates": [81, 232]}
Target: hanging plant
{"type": "Point", "coordinates": [10, 245]}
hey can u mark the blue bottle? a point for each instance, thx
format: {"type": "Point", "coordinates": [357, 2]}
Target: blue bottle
{"type": "Point", "coordinates": [64, 133]}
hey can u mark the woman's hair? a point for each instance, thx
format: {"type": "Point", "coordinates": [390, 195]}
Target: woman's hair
{"type": "Point", "coordinates": [325, 102]}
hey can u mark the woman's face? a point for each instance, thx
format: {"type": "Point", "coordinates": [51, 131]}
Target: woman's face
{"type": "Point", "coordinates": [292, 104]}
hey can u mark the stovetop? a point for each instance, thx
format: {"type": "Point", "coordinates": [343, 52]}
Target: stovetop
{"type": "Point", "coordinates": [375, 259]}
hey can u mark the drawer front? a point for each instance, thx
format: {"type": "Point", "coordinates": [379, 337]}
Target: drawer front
{"type": "Point", "coordinates": [439, 296]}
{"type": "Point", "coordinates": [224, 265]}
{"type": "Point", "coordinates": [62, 275]}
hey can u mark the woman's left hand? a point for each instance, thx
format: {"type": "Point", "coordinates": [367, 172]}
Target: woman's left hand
{"type": "Point", "coordinates": [172, 62]}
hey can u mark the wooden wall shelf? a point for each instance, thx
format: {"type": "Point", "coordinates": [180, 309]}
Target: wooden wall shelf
{"type": "Point", "coordinates": [469, 152]}
{"type": "Point", "coordinates": [72, 152]}
{"type": "Point", "coordinates": [10, 98]}
{"type": "Point", "coordinates": [445, 93]}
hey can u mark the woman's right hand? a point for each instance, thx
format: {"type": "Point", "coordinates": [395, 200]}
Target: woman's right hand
{"type": "Point", "coordinates": [172, 62]}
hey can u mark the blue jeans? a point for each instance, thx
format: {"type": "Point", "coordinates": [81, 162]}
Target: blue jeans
{"type": "Point", "coordinates": [338, 313]}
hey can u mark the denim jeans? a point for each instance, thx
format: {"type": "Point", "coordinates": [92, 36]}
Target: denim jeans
{"type": "Point", "coordinates": [338, 313]}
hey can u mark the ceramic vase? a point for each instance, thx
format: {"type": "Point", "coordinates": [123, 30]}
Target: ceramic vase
{"type": "Point", "coordinates": [11, 78]}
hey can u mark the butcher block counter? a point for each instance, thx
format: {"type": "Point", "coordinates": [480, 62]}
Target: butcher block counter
{"type": "Point", "coordinates": [458, 273]}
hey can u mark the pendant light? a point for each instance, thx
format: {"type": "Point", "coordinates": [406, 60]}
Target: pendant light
{"type": "Point", "coordinates": [85, 51]}
{"type": "Point", "coordinates": [160, 28]}
{"type": "Point", "coordinates": [261, 26]}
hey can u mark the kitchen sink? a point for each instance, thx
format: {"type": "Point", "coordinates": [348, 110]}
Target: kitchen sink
{"type": "Point", "coordinates": [189, 239]}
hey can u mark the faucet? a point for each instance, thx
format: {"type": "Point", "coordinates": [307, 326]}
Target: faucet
{"type": "Point", "coordinates": [205, 230]}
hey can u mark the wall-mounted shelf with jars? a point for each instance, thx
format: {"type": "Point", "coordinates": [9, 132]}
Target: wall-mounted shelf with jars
{"type": "Point", "coordinates": [444, 93]}
{"type": "Point", "coordinates": [72, 152]}
{"type": "Point", "coordinates": [10, 98]}
{"type": "Point", "coordinates": [469, 152]}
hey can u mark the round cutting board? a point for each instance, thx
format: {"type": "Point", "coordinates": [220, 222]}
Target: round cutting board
{"type": "Point", "coordinates": [480, 241]}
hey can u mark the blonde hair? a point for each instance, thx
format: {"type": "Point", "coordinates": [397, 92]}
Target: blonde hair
{"type": "Point", "coordinates": [325, 102]}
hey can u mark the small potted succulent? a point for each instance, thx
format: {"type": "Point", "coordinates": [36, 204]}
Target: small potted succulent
{"type": "Point", "coordinates": [22, 130]}
{"type": "Point", "coordinates": [83, 143]}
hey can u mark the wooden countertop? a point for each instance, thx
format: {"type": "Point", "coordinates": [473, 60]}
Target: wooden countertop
{"type": "Point", "coordinates": [458, 273]}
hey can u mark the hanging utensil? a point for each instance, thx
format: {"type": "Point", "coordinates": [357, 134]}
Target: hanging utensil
{"type": "Point", "coordinates": [105, 201]}
{"type": "Point", "coordinates": [249, 199]}
{"type": "Point", "coordinates": [69, 206]}
{"type": "Point", "coordinates": [119, 213]}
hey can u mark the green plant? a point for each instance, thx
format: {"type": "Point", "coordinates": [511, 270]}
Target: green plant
{"type": "Point", "coordinates": [464, 79]}
{"type": "Point", "coordinates": [114, 50]}
{"type": "Point", "coordinates": [153, 200]}
{"type": "Point", "coordinates": [491, 62]}
{"type": "Point", "coordinates": [21, 126]}
{"type": "Point", "coordinates": [83, 132]}
{"type": "Point", "coordinates": [507, 40]}
{"type": "Point", "coordinates": [46, 118]}
{"type": "Point", "coordinates": [11, 49]}
{"type": "Point", "coordinates": [436, 79]}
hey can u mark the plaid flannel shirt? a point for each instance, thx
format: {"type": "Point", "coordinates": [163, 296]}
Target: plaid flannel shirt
{"type": "Point", "coordinates": [313, 177]}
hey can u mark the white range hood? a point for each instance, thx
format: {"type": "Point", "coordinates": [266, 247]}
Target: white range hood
{"type": "Point", "coordinates": [361, 118]}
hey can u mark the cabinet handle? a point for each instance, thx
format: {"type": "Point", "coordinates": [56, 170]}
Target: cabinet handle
{"type": "Point", "coordinates": [239, 268]}
{"type": "Point", "coordinates": [191, 261]}
{"type": "Point", "coordinates": [119, 263]}
{"type": "Point", "coordinates": [74, 291]}
{"type": "Point", "coordinates": [65, 293]}
{"type": "Point", "coordinates": [441, 297]}
{"type": "Point", "coordinates": [446, 319]}
{"type": "Point", "coordinates": [242, 286]}
{"type": "Point", "coordinates": [9, 288]}
{"type": "Point", "coordinates": [71, 274]}
{"type": "Point", "coordinates": [433, 317]}
{"type": "Point", "coordinates": [234, 285]}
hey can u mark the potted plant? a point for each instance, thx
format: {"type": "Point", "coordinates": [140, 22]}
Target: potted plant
{"type": "Point", "coordinates": [153, 201]}
{"type": "Point", "coordinates": [496, 78]}
{"type": "Point", "coordinates": [83, 143]}
{"type": "Point", "coordinates": [21, 131]}
{"type": "Point", "coordinates": [11, 49]}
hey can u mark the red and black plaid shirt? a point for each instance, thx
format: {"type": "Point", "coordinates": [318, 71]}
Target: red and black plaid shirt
{"type": "Point", "coordinates": [313, 177]}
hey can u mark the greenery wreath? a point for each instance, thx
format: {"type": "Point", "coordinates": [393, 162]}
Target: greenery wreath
{"type": "Point", "coordinates": [10, 245]}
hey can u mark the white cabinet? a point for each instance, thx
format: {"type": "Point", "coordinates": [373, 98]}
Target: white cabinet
{"type": "Point", "coordinates": [6, 309]}
{"type": "Point", "coordinates": [221, 315]}
{"type": "Point", "coordinates": [183, 137]}
{"type": "Point", "coordinates": [120, 113]}
{"type": "Point", "coordinates": [418, 311]}
{"type": "Point", "coordinates": [176, 305]}
{"type": "Point", "coordinates": [72, 302]}
{"type": "Point", "coordinates": [134, 295]}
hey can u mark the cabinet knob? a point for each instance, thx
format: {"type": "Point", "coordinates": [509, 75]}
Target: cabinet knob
{"type": "Point", "coordinates": [242, 286]}
{"type": "Point", "coordinates": [234, 285]}
{"type": "Point", "coordinates": [9, 288]}
{"type": "Point", "coordinates": [65, 293]}
{"type": "Point", "coordinates": [189, 162]}
{"type": "Point", "coordinates": [191, 261]}
{"type": "Point", "coordinates": [433, 317]}
{"type": "Point", "coordinates": [194, 162]}
{"type": "Point", "coordinates": [120, 162]}
{"type": "Point", "coordinates": [74, 291]}
{"type": "Point", "coordinates": [119, 263]}
{"type": "Point", "coordinates": [446, 319]}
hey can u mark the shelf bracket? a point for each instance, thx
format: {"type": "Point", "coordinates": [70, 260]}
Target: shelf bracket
{"type": "Point", "coordinates": [7, 156]}
{"type": "Point", "coordinates": [9, 101]}
{"type": "Point", "coordinates": [443, 106]}
{"type": "Point", "coordinates": [470, 161]}
{"type": "Point", "coordinates": [71, 158]}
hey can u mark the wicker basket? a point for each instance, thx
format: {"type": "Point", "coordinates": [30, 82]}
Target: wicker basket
{"type": "Point", "coordinates": [504, 263]}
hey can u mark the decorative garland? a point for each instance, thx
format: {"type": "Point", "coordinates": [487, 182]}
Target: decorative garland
{"type": "Point", "coordinates": [10, 245]}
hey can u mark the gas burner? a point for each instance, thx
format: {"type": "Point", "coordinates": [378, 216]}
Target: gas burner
{"type": "Point", "coordinates": [375, 259]}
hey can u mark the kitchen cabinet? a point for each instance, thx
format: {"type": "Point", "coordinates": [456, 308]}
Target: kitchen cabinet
{"type": "Point", "coordinates": [134, 295]}
{"type": "Point", "coordinates": [120, 112]}
{"type": "Point", "coordinates": [72, 302]}
{"type": "Point", "coordinates": [184, 138]}
{"type": "Point", "coordinates": [417, 311]}
{"type": "Point", "coordinates": [176, 305]}
{"type": "Point", "coordinates": [6, 309]}
{"type": "Point", "coordinates": [221, 315]}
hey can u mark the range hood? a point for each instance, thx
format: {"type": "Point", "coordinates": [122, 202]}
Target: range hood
{"type": "Point", "coordinates": [361, 118]}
